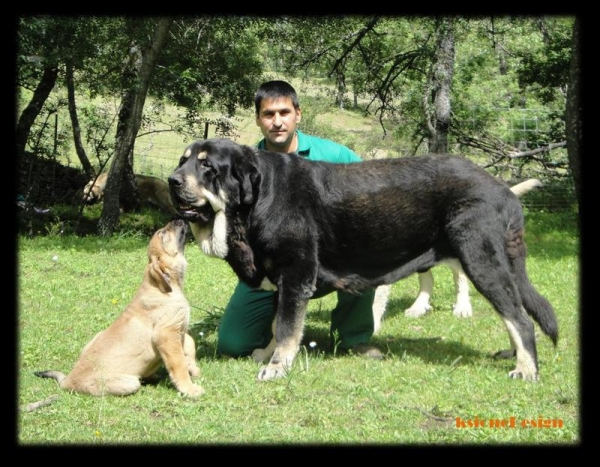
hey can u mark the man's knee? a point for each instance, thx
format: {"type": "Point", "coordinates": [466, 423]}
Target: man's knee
{"type": "Point", "coordinates": [232, 347]}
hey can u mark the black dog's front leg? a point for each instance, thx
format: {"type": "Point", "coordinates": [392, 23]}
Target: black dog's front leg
{"type": "Point", "coordinates": [241, 259]}
{"type": "Point", "coordinates": [240, 255]}
{"type": "Point", "coordinates": [291, 311]}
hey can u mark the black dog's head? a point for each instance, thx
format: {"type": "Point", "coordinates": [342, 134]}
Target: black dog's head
{"type": "Point", "coordinates": [213, 175]}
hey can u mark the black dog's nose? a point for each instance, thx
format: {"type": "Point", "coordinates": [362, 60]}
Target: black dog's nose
{"type": "Point", "coordinates": [174, 180]}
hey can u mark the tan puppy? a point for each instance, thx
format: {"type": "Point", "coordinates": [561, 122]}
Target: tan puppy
{"type": "Point", "coordinates": [150, 331]}
{"type": "Point", "coordinates": [152, 190]}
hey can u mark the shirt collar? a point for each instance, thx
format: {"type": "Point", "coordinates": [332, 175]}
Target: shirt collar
{"type": "Point", "coordinates": [303, 144]}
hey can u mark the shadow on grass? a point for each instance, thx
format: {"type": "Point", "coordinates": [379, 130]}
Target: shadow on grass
{"type": "Point", "coordinates": [435, 350]}
{"type": "Point", "coordinates": [429, 349]}
{"type": "Point", "coordinates": [316, 338]}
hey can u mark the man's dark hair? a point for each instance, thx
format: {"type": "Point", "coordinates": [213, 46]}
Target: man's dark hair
{"type": "Point", "coordinates": [275, 90]}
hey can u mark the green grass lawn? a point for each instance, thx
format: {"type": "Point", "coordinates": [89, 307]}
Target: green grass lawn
{"type": "Point", "coordinates": [438, 377]}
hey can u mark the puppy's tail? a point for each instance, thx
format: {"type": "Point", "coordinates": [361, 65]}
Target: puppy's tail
{"type": "Point", "coordinates": [57, 375]}
{"type": "Point", "coordinates": [537, 306]}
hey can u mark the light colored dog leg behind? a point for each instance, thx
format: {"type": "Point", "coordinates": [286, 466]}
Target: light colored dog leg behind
{"type": "Point", "coordinates": [462, 306]}
{"type": "Point", "coordinates": [156, 192]}
{"type": "Point", "coordinates": [152, 190]}
{"type": "Point", "coordinates": [152, 330]}
{"type": "Point", "coordinates": [382, 294]}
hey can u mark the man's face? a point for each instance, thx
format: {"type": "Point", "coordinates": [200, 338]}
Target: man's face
{"type": "Point", "coordinates": [277, 120]}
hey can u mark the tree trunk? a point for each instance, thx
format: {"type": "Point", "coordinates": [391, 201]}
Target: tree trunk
{"type": "Point", "coordinates": [85, 162]}
{"type": "Point", "coordinates": [340, 90]}
{"type": "Point", "coordinates": [140, 68]}
{"type": "Point", "coordinates": [439, 89]}
{"type": "Point", "coordinates": [34, 108]}
{"type": "Point", "coordinates": [574, 112]}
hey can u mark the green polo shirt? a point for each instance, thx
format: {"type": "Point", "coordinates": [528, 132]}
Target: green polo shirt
{"type": "Point", "coordinates": [319, 149]}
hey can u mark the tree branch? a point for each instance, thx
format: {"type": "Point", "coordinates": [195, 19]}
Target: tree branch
{"type": "Point", "coordinates": [36, 405]}
{"type": "Point", "coordinates": [549, 147]}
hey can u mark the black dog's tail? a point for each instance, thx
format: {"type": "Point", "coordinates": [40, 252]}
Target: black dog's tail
{"type": "Point", "coordinates": [537, 306]}
{"type": "Point", "coordinates": [57, 375]}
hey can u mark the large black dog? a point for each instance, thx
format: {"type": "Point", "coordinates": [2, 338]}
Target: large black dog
{"type": "Point", "coordinates": [282, 221]}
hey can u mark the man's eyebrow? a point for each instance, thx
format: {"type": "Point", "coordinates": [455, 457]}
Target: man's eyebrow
{"type": "Point", "coordinates": [271, 111]}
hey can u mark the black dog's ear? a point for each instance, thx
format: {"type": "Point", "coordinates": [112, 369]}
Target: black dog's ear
{"type": "Point", "coordinates": [251, 179]}
{"type": "Point", "coordinates": [246, 173]}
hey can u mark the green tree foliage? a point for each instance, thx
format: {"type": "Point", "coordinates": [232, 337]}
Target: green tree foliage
{"type": "Point", "coordinates": [60, 43]}
{"type": "Point", "coordinates": [205, 63]}
{"type": "Point", "coordinates": [544, 70]}
{"type": "Point", "coordinates": [499, 93]}
{"type": "Point", "coordinates": [574, 111]}
{"type": "Point", "coordinates": [210, 62]}
{"type": "Point", "coordinates": [370, 56]}
{"type": "Point", "coordinates": [510, 76]}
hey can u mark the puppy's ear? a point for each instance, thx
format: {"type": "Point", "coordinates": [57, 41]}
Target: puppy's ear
{"type": "Point", "coordinates": [158, 276]}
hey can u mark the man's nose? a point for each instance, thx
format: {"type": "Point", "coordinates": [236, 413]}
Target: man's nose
{"type": "Point", "coordinates": [277, 120]}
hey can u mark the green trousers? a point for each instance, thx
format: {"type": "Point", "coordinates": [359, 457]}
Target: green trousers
{"type": "Point", "coordinates": [246, 322]}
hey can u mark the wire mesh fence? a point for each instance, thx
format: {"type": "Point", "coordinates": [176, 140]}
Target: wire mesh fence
{"type": "Point", "coordinates": [45, 180]}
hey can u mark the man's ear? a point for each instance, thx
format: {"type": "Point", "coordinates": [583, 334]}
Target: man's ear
{"type": "Point", "coordinates": [298, 115]}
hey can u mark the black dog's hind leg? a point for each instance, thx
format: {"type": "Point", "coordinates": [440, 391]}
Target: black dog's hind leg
{"type": "Point", "coordinates": [487, 266]}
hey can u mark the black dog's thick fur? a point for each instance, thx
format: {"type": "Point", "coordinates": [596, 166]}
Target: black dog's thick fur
{"type": "Point", "coordinates": [301, 224]}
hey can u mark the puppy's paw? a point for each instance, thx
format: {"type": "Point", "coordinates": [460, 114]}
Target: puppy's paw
{"type": "Point", "coordinates": [193, 391]}
{"type": "Point", "coordinates": [193, 370]}
{"type": "Point", "coordinates": [416, 310]}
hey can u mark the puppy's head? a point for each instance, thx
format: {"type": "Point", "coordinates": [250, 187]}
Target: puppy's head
{"type": "Point", "coordinates": [213, 174]}
{"type": "Point", "coordinates": [166, 260]}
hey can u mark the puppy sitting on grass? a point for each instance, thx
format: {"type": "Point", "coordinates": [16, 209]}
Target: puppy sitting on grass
{"type": "Point", "coordinates": [150, 331]}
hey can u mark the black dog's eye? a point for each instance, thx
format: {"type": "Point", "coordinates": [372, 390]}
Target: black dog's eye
{"type": "Point", "coordinates": [182, 160]}
{"type": "Point", "coordinates": [204, 164]}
